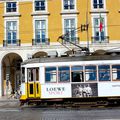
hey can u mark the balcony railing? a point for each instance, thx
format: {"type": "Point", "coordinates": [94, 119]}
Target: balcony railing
{"type": "Point", "coordinates": [16, 42]}
{"type": "Point", "coordinates": [74, 40]}
{"type": "Point", "coordinates": [45, 41]}
{"type": "Point", "coordinates": [100, 39]}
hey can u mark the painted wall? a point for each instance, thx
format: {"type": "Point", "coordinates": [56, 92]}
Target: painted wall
{"type": "Point", "coordinates": [1, 23]}
{"type": "Point", "coordinates": [55, 20]}
{"type": "Point", "coordinates": [26, 27]}
{"type": "Point", "coordinates": [113, 19]}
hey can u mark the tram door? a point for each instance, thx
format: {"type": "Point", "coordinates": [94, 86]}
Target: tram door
{"type": "Point", "coordinates": [33, 85]}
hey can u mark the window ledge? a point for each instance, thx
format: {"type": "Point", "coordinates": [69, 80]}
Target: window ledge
{"type": "Point", "coordinates": [69, 12]}
{"type": "Point", "coordinates": [40, 13]}
{"type": "Point", "coordinates": [99, 11]}
{"type": "Point", "coordinates": [11, 15]}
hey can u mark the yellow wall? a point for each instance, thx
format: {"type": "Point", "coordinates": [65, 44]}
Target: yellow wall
{"type": "Point", "coordinates": [113, 18]}
{"type": "Point", "coordinates": [26, 26]}
{"type": "Point", "coordinates": [82, 17]}
{"type": "Point", "coordinates": [2, 27]}
{"type": "Point", "coordinates": [54, 20]}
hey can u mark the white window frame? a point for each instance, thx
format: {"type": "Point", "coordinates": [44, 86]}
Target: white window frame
{"type": "Point", "coordinates": [105, 22]}
{"type": "Point", "coordinates": [17, 8]}
{"type": "Point", "coordinates": [104, 5]}
{"type": "Point", "coordinates": [40, 18]}
{"type": "Point", "coordinates": [69, 17]}
{"type": "Point", "coordinates": [40, 11]}
{"type": "Point", "coordinates": [5, 24]}
{"type": "Point", "coordinates": [75, 3]}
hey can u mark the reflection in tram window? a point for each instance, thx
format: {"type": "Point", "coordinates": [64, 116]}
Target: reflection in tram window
{"type": "Point", "coordinates": [23, 74]}
{"type": "Point", "coordinates": [33, 74]}
{"type": "Point", "coordinates": [90, 73]}
{"type": "Point", "coordinates": [77, 74]}
{"type": "Point", "coordinates": [50, 74]}
{"type": "Point", "coordinates": [116, 72]}
{"type": "Point", "coordinates": [63, 74]}
{"type": "Point", "coordinates": [104, 72]}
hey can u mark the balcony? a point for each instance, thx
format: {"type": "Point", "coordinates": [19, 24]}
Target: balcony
{"type": "Point", "coordinates": [100, 39]}
{"type": "Point", "coordinates": [16, 42]}
{"type": "Point", "coordinates": [45, 41]}
{"type": "Point", "coordinates": [74, 40]}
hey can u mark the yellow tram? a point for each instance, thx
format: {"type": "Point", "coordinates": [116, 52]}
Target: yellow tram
{"type": "Point", "coordinates": [70, 78]}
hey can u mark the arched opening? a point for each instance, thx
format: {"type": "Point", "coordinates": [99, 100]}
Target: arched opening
{"type": "Point", "coordinates": [40, 54]}
{"type": "Point", "coordinates": [11, 73]}
{"type": "Point", "coordinates": [99, 52]}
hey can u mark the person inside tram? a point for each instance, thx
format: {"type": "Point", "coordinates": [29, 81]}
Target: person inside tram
{"type": "Point", "coordinates": [104, 76]}
{"type": "Point", "coordinates": [77, 77]}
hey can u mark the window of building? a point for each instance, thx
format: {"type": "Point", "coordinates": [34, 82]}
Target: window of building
{"type": "Point", "coordinates": [116, 72]}
{"type": "Point", "coordinates": [99, 29]}
{"type": "Point", "coordinates": [11, 32]}
{"type": "Point", "coordinates": [63, 74]}
{"type": "Point", "coordinates": [98, 4]}
{"type": "Point", "coordinates": [50, 74]}
{"type": "Point", "coordinates": [40, 5]}
{"type": "Point", "coordinates": [69, 4]}
{"type": "Point", "coordinates": [11, 7]}
{"type": "Point", "coordinates": [40, 31]}
{"type": "Point", "coordinates": [104, 72]}
{"type": "Point", "coordinates": [69, 29]}
{"type": "Point", "coordinates": [77, 74]}
{"type": "Point", "coordinates": [90, 73]}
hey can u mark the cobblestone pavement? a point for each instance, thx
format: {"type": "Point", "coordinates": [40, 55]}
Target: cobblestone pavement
{"type": "Point", "coordinates": [10, 110]}
{"type": "Point", "coordinates": [9, 102]}
{"type": "Point", "coordinates": [58, 114]}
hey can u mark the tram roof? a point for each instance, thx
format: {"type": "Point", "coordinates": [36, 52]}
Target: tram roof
{"type": "Point", "coordinates": [70, 59]}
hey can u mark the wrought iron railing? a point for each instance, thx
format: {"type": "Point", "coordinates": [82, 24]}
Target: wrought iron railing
{"type": "Point", "coordinates": [100, 39]}
{"type": "Point", "coordinates": [45, 41]}
{"type": "Point", "coordinates": [68, 40]}
{"type": "Point", "coordinates": [16, 42]}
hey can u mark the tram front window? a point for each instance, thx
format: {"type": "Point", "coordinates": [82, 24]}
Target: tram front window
{"type": "Point", "coordinates": [90, 73]}
{"type": "Point", "coordinates": [33, 74]}
{"type": "Point", "coordinates": [77, 74]}
{"type": "Point", "coordinates": [63, 74]}
{"type": "Point", "coordinates": [116, 72]}
{"type": "Point", "coordinates": [104, 72]}
{"type": "Point", "coordinates": [50, 74]}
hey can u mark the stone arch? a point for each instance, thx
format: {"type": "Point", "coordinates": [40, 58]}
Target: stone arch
{"type": "Point", "coordinates": [40, 54]}
{"type": "Point", "coordinates": [99, 52]}
{"type": "Point", "coordinates": [10, 73]}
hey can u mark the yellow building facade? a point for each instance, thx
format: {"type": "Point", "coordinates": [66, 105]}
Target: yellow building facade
{"type": "Point", "coordinates": [32, 28]}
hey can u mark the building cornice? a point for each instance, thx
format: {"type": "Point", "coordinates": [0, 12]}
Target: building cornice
{"type": "Point", "coordinates": [12, 15]}
{"type": "Point", "coordinates": [98, 11]}
{"type": "Point", "coordinates": [69, 12]}
{"type": "Point", "coordinates": [39, 13]}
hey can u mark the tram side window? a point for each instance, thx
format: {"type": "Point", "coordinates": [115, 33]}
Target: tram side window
{"type": "Point", "coordinates": [23, 74]}
{"type": "Point", "coordinates": [90, 73]}
{"type": "Point", "coordinates": [63, 74]}
{"type": "Point", "coordinates": [50, 74]}
{"type": "Point", "coordinates": [33, 74]}
{"type": "Point", "coordinates": [77, 74]}
{"type": "Point", "coordinates": [104, 72]}
{"type": "Point", "coordinates": [116, 72]}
